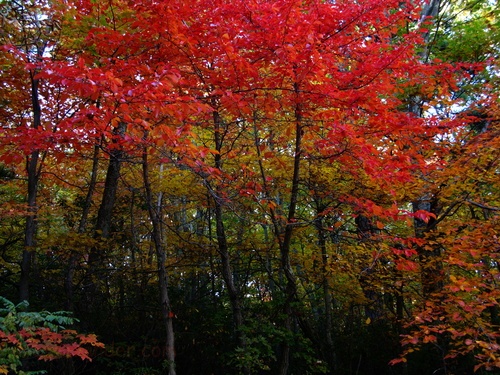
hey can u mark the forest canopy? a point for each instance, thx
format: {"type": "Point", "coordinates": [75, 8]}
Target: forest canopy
{"type": "Point", "coordinates": [250, 187]}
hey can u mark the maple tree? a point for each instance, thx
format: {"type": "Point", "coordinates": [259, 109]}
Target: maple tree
{"type": "Point", "coordinates": [306, 172]}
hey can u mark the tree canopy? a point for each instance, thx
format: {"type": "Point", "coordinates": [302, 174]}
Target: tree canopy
{"type": "Point", "coordinates": [253, 187]}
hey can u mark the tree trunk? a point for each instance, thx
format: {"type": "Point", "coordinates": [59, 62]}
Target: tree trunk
{"type": "Point", "coordinates": [374, 307]}
{"type": "Point", "coordinates": [285, 244]}
{"type": "Point", "coordinates": [31, 225]}
{"type": "Point", "coordinates": [161, 256]}
{"type": "Point", "coordinates": [227, 273]}
{"type": "Point", "coordinates": [429, 260]}
{"type": "Point", "coordinates": [96, 260]}
{"type": "Point", "coordinates": [33, 172]}
{"type": "Point", "coordinates": [222, 245]}
{"type": "Point", "coordinates": [283, 234]}
{"type": "Point", "coordinates": [104, 215]}
{"type": "Point", "coordinates": [327, 297]}
{"type": "Point", "coordinates": [82, 226]}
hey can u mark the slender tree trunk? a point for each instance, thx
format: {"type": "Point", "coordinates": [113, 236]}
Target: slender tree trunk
{"type": "Point", "coordinates": [265, 227]}
{"type": "Point", "coordinates": [30, 38]}
{"type": "Point", "coordinates": [285, 244]}
{"type": "Point", "coordinates": [222, 245]}
{"type": "Point", "coordinates": [82, 226]}
{"type": "Point", "coordinates": [33, 172]}
{"type": "Point", "coordinates": [227, 272]}
{"type": "Point", "coordinates": [161, 256]}
{"type": "Point", "coordinates": [31, 225]}
{"type": "Point", "coordinates": [327, 296]}
{"type": "Point", "coordinates": [284, 237]}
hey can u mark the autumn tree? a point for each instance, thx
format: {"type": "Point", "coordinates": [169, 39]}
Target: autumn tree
{"type": "Point", "coordinates": [29, 32]}
{"type": "Point", "coordinates": [449, 197]}
{"type": "Point", "coordinates": [258, 162]}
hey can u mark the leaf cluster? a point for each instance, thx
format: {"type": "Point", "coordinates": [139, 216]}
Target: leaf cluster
{"type": "Point", "coordinates": [41, 335]}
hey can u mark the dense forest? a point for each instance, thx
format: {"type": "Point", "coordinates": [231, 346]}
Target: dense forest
{"type": "Point", "coordinates": [284, 187]}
